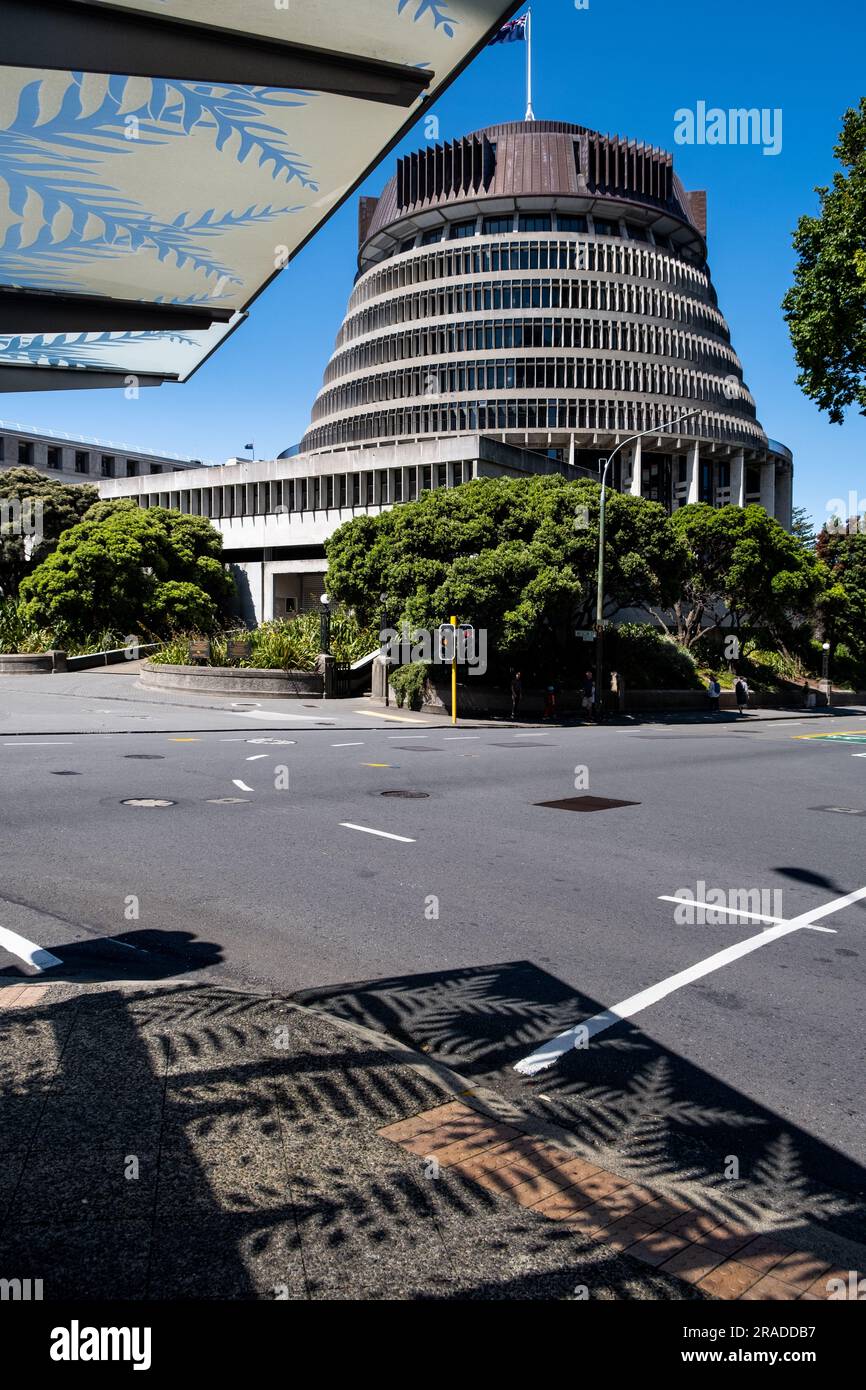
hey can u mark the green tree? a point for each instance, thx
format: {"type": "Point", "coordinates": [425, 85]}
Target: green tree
{"type": "Point", "coordinates": [844, 606]}
{"type": "Point", "coordinates": [517, 557]}
{"type": "Point", "coordinates": [34, 513]}
{"type": "Point", "coordinates": [803, 527]}
{"type": "Point", "coordinates": [129, 569]}
{"type": "Point", "coordinates": [743, 566]}
{"type": "Point", "coordinates": [826, 306]}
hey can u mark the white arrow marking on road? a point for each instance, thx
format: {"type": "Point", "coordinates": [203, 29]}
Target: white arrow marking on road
{"type": "Point", "coordinates": [385, 834]}
{"type": "Point", "coordinates": [19, 946]}
{"type": "Point", "coordinates": [551, 1052]}
{"type": "Point", "coordinates": [347, 745]}
{"type": "Point", "coordinates": [242, 786]}
{"type": "Point", "coordinates": [256, 757]}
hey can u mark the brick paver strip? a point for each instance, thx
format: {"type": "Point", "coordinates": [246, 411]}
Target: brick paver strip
{"type": "Point", "coordinates": [724, 1259]}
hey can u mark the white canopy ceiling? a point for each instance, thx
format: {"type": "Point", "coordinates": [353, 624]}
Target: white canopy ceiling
{"type": "Point", "coordinates": [142, 210]}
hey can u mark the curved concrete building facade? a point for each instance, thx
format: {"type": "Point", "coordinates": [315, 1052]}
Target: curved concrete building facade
{"type": "Point", "coordinates": [547, 287]}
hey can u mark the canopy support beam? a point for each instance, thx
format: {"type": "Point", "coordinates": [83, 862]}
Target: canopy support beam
{"type": "Point", "coordinates": [88, 36]}
{"type": "Point", "coordinates": [47, 311]}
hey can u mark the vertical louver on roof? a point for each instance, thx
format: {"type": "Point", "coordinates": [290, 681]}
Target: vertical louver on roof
{"type": "Point", "coordinates": [457, 168]}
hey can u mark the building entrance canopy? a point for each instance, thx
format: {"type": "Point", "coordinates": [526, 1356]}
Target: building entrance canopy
{"type": "Point", "coordinates": [162, 160]}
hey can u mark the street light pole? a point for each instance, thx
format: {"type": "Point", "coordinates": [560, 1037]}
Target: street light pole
{"type": "Point", "coordinates": [825, 648]}
{"type": "Point", "coordinates": [599, 600]}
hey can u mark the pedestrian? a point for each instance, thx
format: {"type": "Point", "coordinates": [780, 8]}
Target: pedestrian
{"type": "Point", "coordinates": [550, 703]}
{"type": "Point", "coordinates": [742, 692]}
{"type": "Point", "coordinates": [516, 693]}
{"type": "Point", "coordinates": [714, 691]}
{"type": "Point", "coordinates": [587, 698]}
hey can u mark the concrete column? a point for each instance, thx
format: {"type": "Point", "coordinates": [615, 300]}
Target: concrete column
{"type": "Point", "coordinates": [693, 473]}
{"type": "Point", "coordinates": [785, 498]}
{"type": "Point", "coordinates": [768, 486]}
{"type": "Point", "coordinates": [636, 469]}
{"type": "Point", "coordinates": [738, 479]}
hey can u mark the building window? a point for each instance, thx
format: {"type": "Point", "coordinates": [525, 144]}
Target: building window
{"type": "Point", "coordinates": [430, 238]}
{"type": "Point", "coordinates": [25, 453]}
{"type": "Point", "coordinates": [408, 244]}
{"type": "Point", "coordinates": [636, 233]}
{"type": "Point", "coordinates": [493, 226]}
{"type": "Point", "coordinates": [570, 224]}
{"type": "Point", "coordinates": [54, 458]}
{"type": "Point", "coordinates": [368, 488]}
{"type": "Point", "coordinates": [604, 228]}
{"type": "Point", "coordinates": [329, 493]}
{"type": "Point", "coordinates": [132, 468]}
{"type": "Point", "coordinates": [82, 461]}
{"type": "Point", "coordinates": [535, 222]}
{"type": "Point", "coordinates": [108, 465]}
{"type": "Point", "coordinates": [356, 490]}
{"type": "Point", "coordinates": [156, 468]}
{"type": "Point", "coordinates": [462, 229]}
{"type": "Point", "coordinates": [442, 475]}
{"type": "Point", "coordinates": [343, 489]}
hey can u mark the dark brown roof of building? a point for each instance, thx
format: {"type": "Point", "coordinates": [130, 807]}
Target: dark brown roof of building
{"type": "Point", "coordinates": [525, 158]}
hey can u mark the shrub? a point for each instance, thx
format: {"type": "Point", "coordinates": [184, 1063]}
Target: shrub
{"type": "Point", "coordinates": [647, 660]}
{"type": "Point", "coordinates": [409, 682]}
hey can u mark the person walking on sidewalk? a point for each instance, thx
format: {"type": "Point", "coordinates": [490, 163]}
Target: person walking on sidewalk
{"type": "Point", "coordinates": [714, 691]}
{"type": "Point", "coordinates": [550, 703]}
{"type": "Point", "coordinates": [516, 693]}
{"type": "Point", "coordinates": [587, 696]}
{"type": "Point", "coordinates": [742, 692]}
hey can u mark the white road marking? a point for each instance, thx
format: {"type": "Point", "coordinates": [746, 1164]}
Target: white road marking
{"type": "Point", "coordinates": [395, 718]}
{"type": "Point", "coordinates": [407, 737]}
{"type": "Point", "coordinates": [19, 946]}
{"type": "Point", "coordinates": [385, 834]}
{"type": "Point", "coordinates": [551, 1052]}
{"type": "Point", "coordinates": [241, 786]}
{"type": "Point", "coordinates": [736, 912]}
{"type": "Point", "coordinates": [255, 757]}
{"type": "Point", "coordinates": [272, 714]}
{"type": "Point", "coordinates": [18, 744]}
{"type": "Point", "coordinates": [544, 735]}
{"type": "Point", "coordinates": [348, 745]}
{"type": "Point", "coordinates": [452, 737]}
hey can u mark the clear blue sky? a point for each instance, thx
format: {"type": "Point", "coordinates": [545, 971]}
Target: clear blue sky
{"type": "Point", "coordinates": [622, 66]}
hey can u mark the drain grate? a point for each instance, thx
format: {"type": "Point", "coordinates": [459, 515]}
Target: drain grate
{"type": "Point", "coordinates": [146, 757]}
{"type": "Point", "coordinates": [407, 796]}
{"type": "Point", "coordinates": [586, 803]}
{"type": "Point", "coordinates": [65, 774]}
{"type": "Point", "coordinates": [840, 810]}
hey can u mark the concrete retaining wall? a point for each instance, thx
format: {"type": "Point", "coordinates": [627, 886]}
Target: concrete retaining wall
{"type": "Point", "coordinates": [227, 680]}
{"type": "Point", "coordinates": [32, 664]}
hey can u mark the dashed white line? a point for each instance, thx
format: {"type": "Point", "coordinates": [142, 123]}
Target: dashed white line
{"type": "Point", "coordinates": [551, 1052]}
{"type": "Point", "coordinates": [241, 786]}
{"type": "Point", "coordinates": [385, 834]}
{"type": "Point", "coordinates": [462, 737]}
{"type": "Point", "coordinates": [26, 950]}
{"type": "Point", "coordinates": [18, 744]}
{"type": "Point", "coordinates": [256, 757]}
{"type": "Point", "coordinates": [347, 745]}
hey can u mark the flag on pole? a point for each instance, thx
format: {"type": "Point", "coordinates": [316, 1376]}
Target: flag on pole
{"type": "Point", "coordinates": [512, 32]}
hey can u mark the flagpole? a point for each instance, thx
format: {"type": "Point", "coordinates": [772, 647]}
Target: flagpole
{"type": "Point", "coordinates": [530, 114]}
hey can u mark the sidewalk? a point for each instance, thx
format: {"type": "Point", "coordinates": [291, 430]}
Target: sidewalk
{"type": "Point", "coordinates": [196, 1142]}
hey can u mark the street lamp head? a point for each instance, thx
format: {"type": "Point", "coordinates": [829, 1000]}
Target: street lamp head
{"type": "Point", "coordinates": [825, 646]}
{"type": "Point", "coordinates": [325, 601]}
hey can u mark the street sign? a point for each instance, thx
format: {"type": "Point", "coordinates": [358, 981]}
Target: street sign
{"type": "Point", "coordinates": [584, 634]}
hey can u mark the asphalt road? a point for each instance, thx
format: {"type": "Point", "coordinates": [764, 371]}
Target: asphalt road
{"type": "Point", "coordinates": [473, 921]}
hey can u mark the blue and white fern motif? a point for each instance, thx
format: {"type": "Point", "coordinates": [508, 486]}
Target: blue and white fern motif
{"type": "Point", "coordinates": [74, 349]}
{"type": "Point", "coordinates": [435, 8]}
{"type": "Point", "coordinates": [57, 161]}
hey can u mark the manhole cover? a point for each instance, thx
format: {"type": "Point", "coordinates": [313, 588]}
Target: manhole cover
{"type": "Point", "coordinates": [586, 803]}
{"type": "Point", "coordinates": [146, 757]}
{"type": "Point", "coordinates": [839, 810]}
{"type": "Point", "coordinates": [148, 802]}
{"type": "Point", "coordinates": [65, 774]}
{"type": "Point", "coordinates": [228, 801]}
{"type": "Point", "coordinates": [408, 796]}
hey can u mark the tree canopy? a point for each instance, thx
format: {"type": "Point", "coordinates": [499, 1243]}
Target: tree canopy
{"type": "Point", "coordinates": [743, 566]}
{"type": "Point", "coordinates": [131, 570]}
{"type": "Point", "coordinates": [844, 609]}
{"type": "Point", "coordinates": [517, 557]}
{"type": "Point", "coordinates": [826, 306]}
{"type": "Point", "coordinates": [34, 513]}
